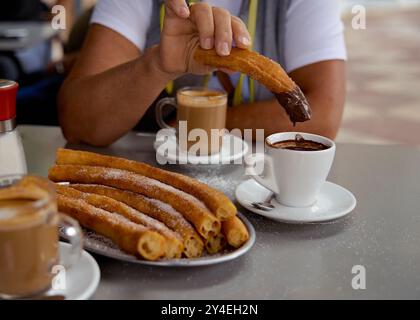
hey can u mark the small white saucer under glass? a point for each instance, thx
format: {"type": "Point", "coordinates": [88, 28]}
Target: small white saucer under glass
{"type": "Point", "coordinates": [233, 149]}
{"type": "Point", "coordinates": [81, 280]}
{"type": "Point", "coordinates": [333, 202]}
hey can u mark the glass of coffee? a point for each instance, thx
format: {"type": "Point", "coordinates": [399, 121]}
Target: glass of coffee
{"type": "Point", "coordinates": [201, 119]}
{"type": "Point", "coordinates": [29, 237]}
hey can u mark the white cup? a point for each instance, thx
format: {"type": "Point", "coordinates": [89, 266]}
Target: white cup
{"type": "Point", "coordinates": [295, 177]}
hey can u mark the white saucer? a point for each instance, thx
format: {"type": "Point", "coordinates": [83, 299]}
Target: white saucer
{"type": "Point", "coordinates": [81, 280]}
{"type": "Point", "coordinates": [227, 155]}
{"type": "Point", "coordinates": [334, 202]}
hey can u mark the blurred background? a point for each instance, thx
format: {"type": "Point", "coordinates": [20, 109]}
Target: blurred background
{"type": "Point", "coordinates": [383, 103]}
{"type": "Point", "coordinates": [38, 56]}
{"type": "Point", "coordinates": [383, 100]}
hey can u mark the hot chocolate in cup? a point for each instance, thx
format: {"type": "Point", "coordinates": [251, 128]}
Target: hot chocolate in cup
{"type": "Point", "coordinates": [296, 165]}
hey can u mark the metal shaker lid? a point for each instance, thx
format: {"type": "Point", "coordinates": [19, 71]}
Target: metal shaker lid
{"type": "Point", "coordinates": [4, 84]}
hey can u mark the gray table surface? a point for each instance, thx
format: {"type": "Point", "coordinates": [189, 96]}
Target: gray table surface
{"type": "Point", "coordinates": [287, 261]}
{"type": "Point", "coordinates": [37, 32]}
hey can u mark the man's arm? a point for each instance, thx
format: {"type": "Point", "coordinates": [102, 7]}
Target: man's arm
{"type": "Point", "coordinates": [113, 84]}
{"type": "Point", "coordinates": [324, 85]}
{"type": "Point", "coordinates": [108, 90]}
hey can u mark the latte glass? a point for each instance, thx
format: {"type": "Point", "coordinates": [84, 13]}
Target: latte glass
{"type": "Point", "coordinates": [201, 119]}
{"type": "Point", "coordinates": [29, 242]}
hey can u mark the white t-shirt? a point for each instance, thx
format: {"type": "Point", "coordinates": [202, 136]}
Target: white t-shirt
{"type": "Point", "coordinates": [314, 31]}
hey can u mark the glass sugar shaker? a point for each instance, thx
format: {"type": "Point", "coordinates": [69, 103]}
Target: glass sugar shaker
{"type": "Point", "coordinates": [12, 156]}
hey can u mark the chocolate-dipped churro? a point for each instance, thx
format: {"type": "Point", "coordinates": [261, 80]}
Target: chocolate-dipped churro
{"type": "Point", "coordinates": [267, 72]}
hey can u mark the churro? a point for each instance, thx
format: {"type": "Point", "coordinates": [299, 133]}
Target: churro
{"type": "Point", "coordinates": [216, 244]}
{"type": "Point", "coordinates": [192, 209]}
{"type": "Point", "coordinates": [129, 236]}
{"type": "Point", "coordinates": [235, 232]}
{"type": "Point", "coordinates": [216, 201]}
{"type": "Point", "coordinates": [267, 72]}
{"type": "Point", "coordinates": [193, 245]}
{"type": "Point", "coordinates": [174, 245]}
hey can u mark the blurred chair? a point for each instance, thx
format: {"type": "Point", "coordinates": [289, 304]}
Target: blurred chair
{"type": "Point", "coordinates": [36, 103]}
{"type": "Point", "coordinates": [9, 67]}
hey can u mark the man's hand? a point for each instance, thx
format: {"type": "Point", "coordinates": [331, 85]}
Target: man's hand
{"type": "Point", "coordinates": [187, 27]}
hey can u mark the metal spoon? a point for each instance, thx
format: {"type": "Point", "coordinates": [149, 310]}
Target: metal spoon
{"type": "Point", "coordinates": [264, 205]}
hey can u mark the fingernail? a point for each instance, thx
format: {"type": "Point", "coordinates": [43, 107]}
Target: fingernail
{"type": "Point", "coordinates": [224, 49]}
{"type": "Point", "coordinates": [184, 12]}
{"type": "Point", "coordinates": [245, 41]}
{"type": "Point", "coordinates": [207, 43]}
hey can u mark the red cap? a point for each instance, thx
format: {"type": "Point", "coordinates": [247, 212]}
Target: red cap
{"type": "Point", "coordinates": [8, 92]}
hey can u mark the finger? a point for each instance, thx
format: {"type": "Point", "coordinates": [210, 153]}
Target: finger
{"type": "Point", "coordinates": [223, 31]}
{"type": "Point", "coordinates": [240, 33]}
{"type": "Point", "coordinates": [202, 16]}
{"type": "Point", "coordinates": [177, 8]}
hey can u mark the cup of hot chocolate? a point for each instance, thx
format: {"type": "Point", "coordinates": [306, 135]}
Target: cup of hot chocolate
{"type": "Point", "coordinates": [296, 165]}
{"type": "Point", "coordinates": [201, 119]}
{"type": "Point", "coordinates": [29, 224]}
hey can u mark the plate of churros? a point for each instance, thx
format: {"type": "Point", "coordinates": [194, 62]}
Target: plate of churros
{"type": "Point", "coordinates": [138, 213]}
